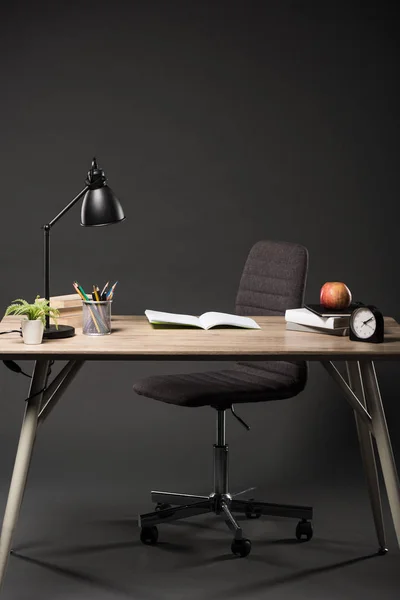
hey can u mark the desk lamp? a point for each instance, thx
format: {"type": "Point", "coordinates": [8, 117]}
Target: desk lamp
{"type": "Point", "coordinates": [99, 207]}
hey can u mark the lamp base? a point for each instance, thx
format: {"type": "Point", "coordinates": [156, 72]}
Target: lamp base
{"type": "Point", "coordinates": [63, 331]}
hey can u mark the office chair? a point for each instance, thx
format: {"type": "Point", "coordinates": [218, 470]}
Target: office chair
{"type": "Point", "coordinates": [273, 280]}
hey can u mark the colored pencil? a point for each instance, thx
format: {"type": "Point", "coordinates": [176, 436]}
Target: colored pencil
{"type": "Point", "coordinates": [104, 289]}
{"type": "Point", "coordinates": [111, 292]}
{"type": "Point", "coordinates": [78, 291]}
{"type": "Point", "coordinates": [84, 297]}
{"type": "Point", "coordinates": [82, 291]}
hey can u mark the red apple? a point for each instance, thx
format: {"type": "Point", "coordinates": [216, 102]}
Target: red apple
{"type": "Point", "coordinates": [335, 295]}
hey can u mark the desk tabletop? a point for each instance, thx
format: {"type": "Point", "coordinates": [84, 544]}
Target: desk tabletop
{"type": "Point", "coordinates": [133, 338]}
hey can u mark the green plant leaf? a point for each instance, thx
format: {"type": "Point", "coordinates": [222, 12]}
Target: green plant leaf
{"type": "Point", "coordinates": [36, 311]}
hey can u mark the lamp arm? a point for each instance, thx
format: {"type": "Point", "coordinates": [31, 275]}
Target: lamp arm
{"type": "Point", "coordinates": [46, 229]}
{"type": "Point", "coordinates": [66, 209]}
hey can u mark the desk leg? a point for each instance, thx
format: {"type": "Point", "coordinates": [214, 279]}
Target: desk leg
{"type": "Point", "coordinates": [22, 462]}
{"type": "Point", "coordinates": [381, 434]}
{"type": "Point", "coordinates": [367, 454]}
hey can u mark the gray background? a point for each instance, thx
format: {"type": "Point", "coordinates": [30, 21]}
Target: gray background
{"type": "Point", "coordinates": [218, 124]}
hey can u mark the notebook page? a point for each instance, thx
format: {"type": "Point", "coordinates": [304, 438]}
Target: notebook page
{"type": "Point", "coordinates": [212, 319]}
{"type": "Point", "coordinates": [156, 317]}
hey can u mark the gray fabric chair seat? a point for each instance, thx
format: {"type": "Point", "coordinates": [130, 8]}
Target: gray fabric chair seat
{"type": "Point", "coordinates": [221, 389]}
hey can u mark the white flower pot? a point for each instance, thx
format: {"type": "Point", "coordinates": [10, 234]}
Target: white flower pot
{"type": "Point", "coordinates": [32, 331]}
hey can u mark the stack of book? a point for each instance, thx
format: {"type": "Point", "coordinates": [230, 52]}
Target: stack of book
{"type": "Point", "coordinates": [70, 307]}
{"type": "Point", "coordinates": [318, 320]}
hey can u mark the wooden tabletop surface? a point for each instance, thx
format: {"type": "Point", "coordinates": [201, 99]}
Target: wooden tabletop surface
{"type": "Point", "coordinates": [133, 338]}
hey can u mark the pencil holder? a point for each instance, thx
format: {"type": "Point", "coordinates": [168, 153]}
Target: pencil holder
{"type": "Point", "coordinates": [96, 317]}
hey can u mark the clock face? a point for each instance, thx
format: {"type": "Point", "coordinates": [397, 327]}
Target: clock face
{"type": "Point", "coordinates": [363, 323]}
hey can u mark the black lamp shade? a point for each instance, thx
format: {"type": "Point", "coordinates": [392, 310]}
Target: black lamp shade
{"type": "Point", "coordinates": [101, 207]}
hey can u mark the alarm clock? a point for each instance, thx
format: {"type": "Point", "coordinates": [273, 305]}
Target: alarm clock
{"type": "Point", "coordinates": [366, 325]}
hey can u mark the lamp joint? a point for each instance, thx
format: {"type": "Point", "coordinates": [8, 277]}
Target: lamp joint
{"type": "Point", "coordinates": [96, 177]}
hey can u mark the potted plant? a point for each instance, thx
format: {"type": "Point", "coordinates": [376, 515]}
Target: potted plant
{"type": "Point", "coordinates": [33, 317]}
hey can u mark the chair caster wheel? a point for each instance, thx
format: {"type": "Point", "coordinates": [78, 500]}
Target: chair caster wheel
{"type": "Point", "coordinates": [149, 535]}
{"type": "Point", "coordinates": [304, 529]}
{"type": "Point", "coordinates": [162, 506]}
{"type": "Point", "coordinates": [241, 547]}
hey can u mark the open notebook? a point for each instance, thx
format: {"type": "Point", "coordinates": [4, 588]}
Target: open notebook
{"type": "Point", "coordinates": [205, 321]}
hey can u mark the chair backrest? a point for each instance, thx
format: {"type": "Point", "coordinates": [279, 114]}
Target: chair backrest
{"type": "Point", "coordinates": [274, 279]}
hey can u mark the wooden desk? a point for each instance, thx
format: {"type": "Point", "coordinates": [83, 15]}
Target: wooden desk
{"type": "Point", "coordinates": [133, 338]}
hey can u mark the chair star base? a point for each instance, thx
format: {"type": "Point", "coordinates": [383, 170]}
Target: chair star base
{"type": "Point", "coordinates": [171, 506]}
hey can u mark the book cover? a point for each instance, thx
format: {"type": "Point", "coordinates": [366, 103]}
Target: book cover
{"type": "Point", "coordinates": [340, 331]}
{"type": "Point", "coordinates": [66, 301]}
{"type": "Point", "coordinates": [321, 311]}
{"type": "Point", "coordinates": [304, 316]}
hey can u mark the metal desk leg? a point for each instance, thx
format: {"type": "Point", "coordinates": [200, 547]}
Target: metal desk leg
{"type": "Point", "coordinates": [381, 434]}
{"type": "Point", "coordinates": [22, 462]}
{"type": "Point", "coordinates": [367, 455]}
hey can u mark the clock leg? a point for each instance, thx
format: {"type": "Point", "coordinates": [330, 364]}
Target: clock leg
{"type": "Point", "coordinates": [367, 455]}
{"type": "Point", "coordinates": [381, 434]}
